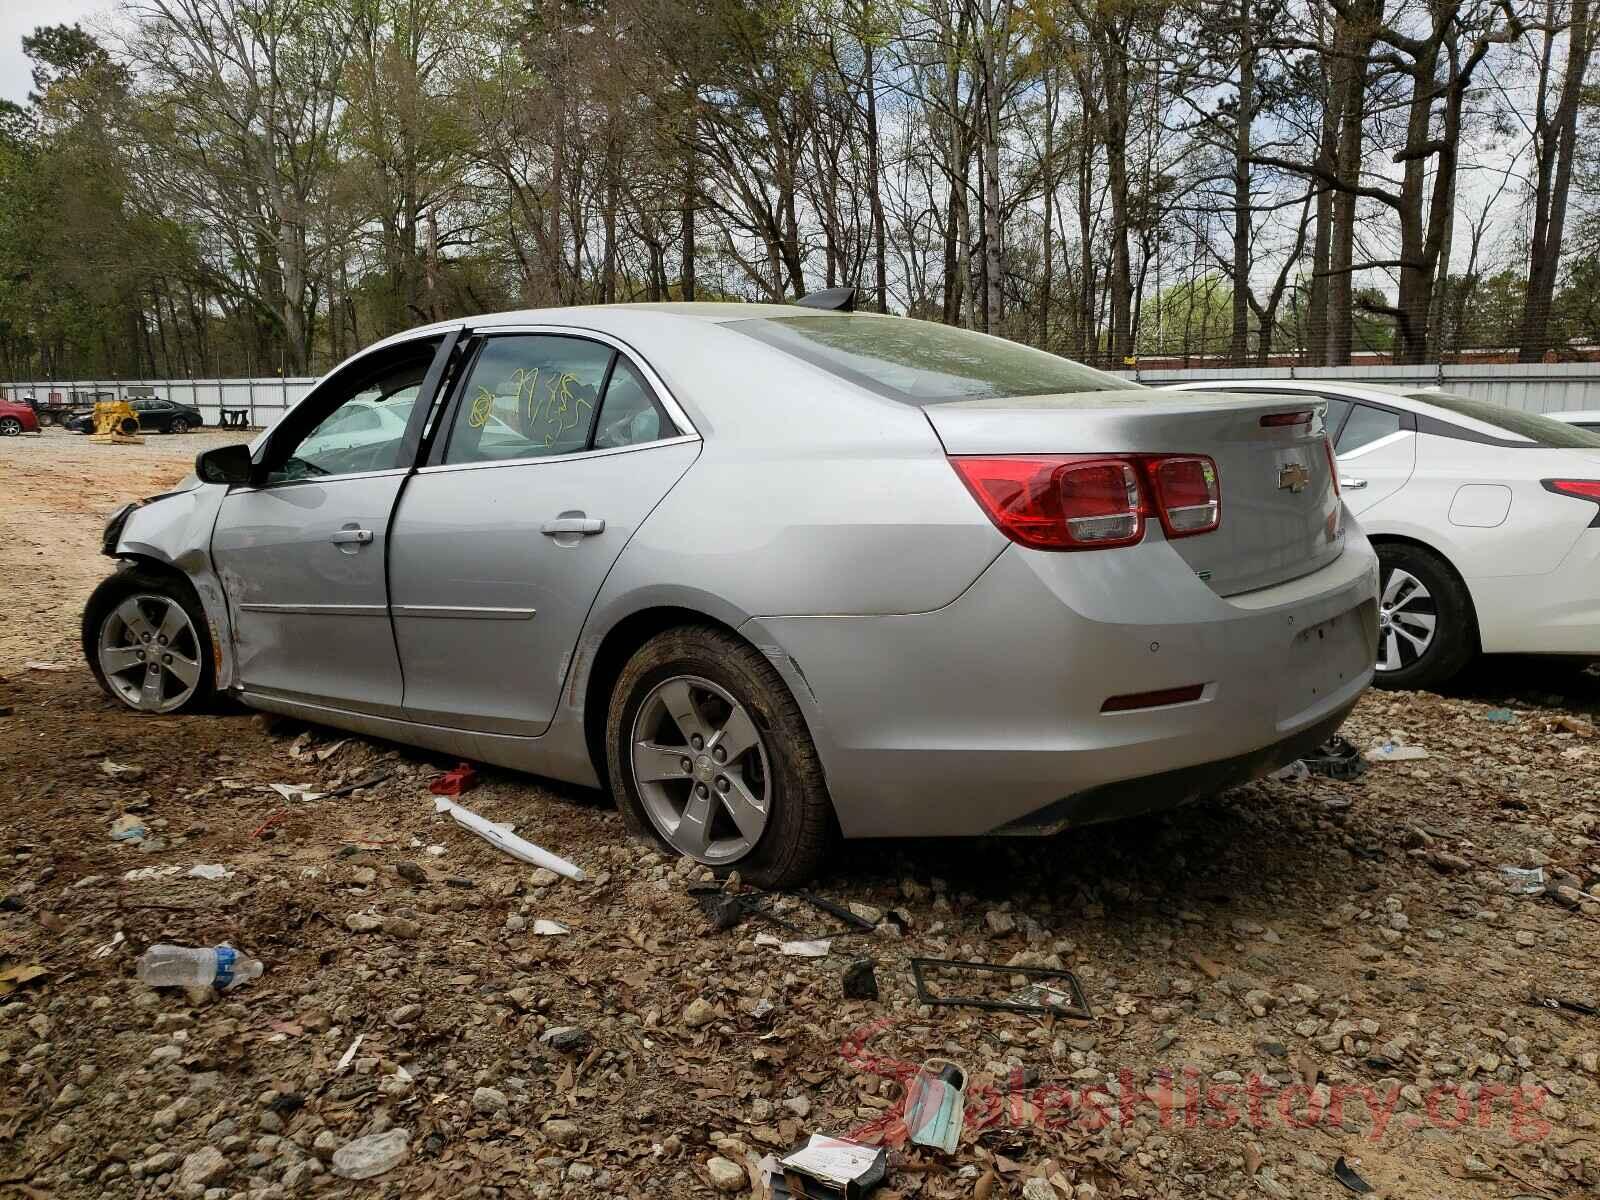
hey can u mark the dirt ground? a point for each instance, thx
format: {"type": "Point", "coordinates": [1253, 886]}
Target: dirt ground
{"type": "Point", "coordinates": [1290, 975]}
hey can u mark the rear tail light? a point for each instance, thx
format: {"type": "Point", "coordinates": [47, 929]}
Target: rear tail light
{"type": "Point", "coordinates": [1058, 502]}
{"type": "Point", "coordinates": [1093, 501]}
{"type": "Point", "coordinates": [1188, 496]}
{"type": "Point", "coordinates": [1578, 489]}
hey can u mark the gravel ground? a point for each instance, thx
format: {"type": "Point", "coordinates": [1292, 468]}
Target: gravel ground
{"type": "Point", "coordinates": [1290, 975]}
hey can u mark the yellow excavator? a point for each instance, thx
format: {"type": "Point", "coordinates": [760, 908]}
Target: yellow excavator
{"type": "Point", "coordinates": [116, 424]}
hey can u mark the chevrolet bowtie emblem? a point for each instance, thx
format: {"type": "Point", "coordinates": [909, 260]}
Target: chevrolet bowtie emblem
{"type": "Point", "coordinates": [1293, 477]}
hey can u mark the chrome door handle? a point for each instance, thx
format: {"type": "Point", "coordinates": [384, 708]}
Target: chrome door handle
{"type": "Point", "coordinates": [587, 526]}
{"type": "Point", "coordinates": [361, 537]}
{"type": "Point", "coordinates": [1352, 485]}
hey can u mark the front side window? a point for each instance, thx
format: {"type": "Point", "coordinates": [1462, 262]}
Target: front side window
{"type": "Point", "coordinates": [922, 362]}
{"type": "Point", "coordinates": [1365, 426]}
{"type": "Point", "coordinates": [364, 431]}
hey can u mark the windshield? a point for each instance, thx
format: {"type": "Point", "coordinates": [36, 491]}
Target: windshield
{"type": "Point", "coordinates": [1556, 435]}
{"type": "Point", "coordinates": [921, 362]}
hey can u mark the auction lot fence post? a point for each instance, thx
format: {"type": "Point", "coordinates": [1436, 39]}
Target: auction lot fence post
{"type": "Point", "coordinates": [1532, 387]}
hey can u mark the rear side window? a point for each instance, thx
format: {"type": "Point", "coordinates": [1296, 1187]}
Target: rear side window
{"type": "Point", "coordinates": [921, 362]}
{"type": "Point", "coordinates": [1540, 430]}
{"type": "Point", "coordinates": [1366, 425]}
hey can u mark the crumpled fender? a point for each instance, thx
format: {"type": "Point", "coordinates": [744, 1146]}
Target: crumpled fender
{"type": "Point", "coordinates": [175, 531]}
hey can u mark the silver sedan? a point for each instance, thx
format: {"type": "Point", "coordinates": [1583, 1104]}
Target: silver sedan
{"type": "Point", "coordinates": [768, 573]}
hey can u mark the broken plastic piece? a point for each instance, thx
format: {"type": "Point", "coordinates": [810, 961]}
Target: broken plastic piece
{"type": "Point", "coordinates": [452, 783]}
{"type": "Point", "coordinates": [1064, 1002]}
{"type": "Point", "coordinates": [296, 793]}
{"type": "Point", "coordinates": [209, 871]}
{"type": "Point", "coordinates": [129, 828]}
{"type": "Point", "coordinates": [549, 928]}
{"type": "Point", "coordinates": [1346, 1174]}
{"type": "Point", "coordinates": [817, 948]}
{"type": "Point", "coordinates": [501, 837]}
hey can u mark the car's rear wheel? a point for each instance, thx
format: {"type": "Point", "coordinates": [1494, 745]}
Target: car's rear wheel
{"type": "Point", "coordinates": [1426, 628]}
{"type": "Point", "coordinates": [10, 427]}
{"type": "Point", "coordinates": [179, 425]}
{"type": "Point", "coordinates": [144, 634]}
{"type": "Point", "coordinates": [710, 757]}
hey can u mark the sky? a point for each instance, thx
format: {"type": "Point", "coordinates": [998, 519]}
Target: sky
{"type": "Point", "coordinates": [21, 17]}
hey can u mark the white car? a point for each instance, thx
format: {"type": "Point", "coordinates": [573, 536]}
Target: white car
{"type": "Point", "coordinates": [1486, 520]}
{"type": "Point", "coordinates": [1588, 418]}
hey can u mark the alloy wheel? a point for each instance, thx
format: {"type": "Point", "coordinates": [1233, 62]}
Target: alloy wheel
{"type": "Point", "coordinates": [701, 769]}
{"type": "Point", "coordinates": [1407, 617]}
{"type": "Point", "coordinates": [150, 653]}
{"type": "Point", "coordinates": [10, 427]}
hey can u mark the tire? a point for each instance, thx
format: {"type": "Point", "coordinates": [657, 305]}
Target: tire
{"type": "Point", "coordinates": [718, 670]}
{"type": "Point", "coordinates": [10, 427]}
{"type": "Point", "coordinates": [179, 425]}
{"type": "Point", "coordinates": [1442, 597]}
{"type": "Point", "coordinates": [188, 681]}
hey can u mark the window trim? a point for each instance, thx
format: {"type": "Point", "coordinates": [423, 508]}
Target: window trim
{"type": "Point", "coordinates": [479, 334]}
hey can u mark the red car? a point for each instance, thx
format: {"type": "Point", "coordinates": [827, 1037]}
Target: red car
{"type": "Point", "coordinates": [17, 418]}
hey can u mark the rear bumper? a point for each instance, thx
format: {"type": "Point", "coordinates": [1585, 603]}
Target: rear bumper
{"type": "Point", "coordinates": [1556, 613]}
{"type": "Point", "coordinates": [975, 717]}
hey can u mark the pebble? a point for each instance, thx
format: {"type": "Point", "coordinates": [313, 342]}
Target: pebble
{"type": "Point", "coordinates": [489, 1102]}
{"type": "Point", "coordinates": [699, 1013]}
{"type": "Point", "coordinates": [562, 1131]}
{"type": "Point", "coordinates": [1000, 923]}
{"type": "Point", "coordinates": [543, 877]}
{"type": "Point", "coordinates": [372, 1155]}
{"type": "Point", "coordinates": [202, 1168]}
{"type": "Point", "coordinates": [726, 1176]}
{"type": "Point", "coordinates": [405, 1014]}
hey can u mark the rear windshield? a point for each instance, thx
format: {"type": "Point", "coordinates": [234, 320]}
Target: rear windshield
{"type": "Point", "coordinates": [1542, 431]}
{"type": "Point", "coordinates": [920, 362]}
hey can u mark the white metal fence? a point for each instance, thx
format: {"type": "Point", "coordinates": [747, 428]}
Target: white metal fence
{"type": "Point", "coordinates": [1536, 387]}
{"type": "Point", "coordinates": [265, 400]}
{"type": "Point", "coordinates": [1532, 387]}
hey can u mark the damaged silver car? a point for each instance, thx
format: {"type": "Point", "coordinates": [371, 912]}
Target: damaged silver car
{"type": "Point", "coordinates": [768, 573]}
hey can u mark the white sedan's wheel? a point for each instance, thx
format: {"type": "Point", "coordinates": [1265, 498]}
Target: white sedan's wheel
{"type": "Point", "coordinates": [1426, 628]}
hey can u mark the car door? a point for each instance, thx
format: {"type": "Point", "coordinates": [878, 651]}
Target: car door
{"type": "Point", "coordinates": [301, 554]}
{"type": "Point", "coordinates": [556, 447]}
{"type": "Point", "coordinates": [145, 410]}
{"type": "Point", "coordinates": [1377, 453]}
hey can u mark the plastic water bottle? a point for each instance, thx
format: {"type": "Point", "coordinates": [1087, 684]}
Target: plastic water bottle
{"type": "Point", "coordinates": [220, 967]}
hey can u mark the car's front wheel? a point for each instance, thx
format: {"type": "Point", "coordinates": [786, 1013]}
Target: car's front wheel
{"type": "Point", "coordinates": [10, 427]}
{"type": "Point", "coordinates": [144, 634]}
{"type": "Point", "coordinates": [709, 756]}
{"type": "Point", "coordinates": [1426, 629]}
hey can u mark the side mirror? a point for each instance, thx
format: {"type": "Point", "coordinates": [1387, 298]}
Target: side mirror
{"type": "Point", "coordinates": [225, 464]}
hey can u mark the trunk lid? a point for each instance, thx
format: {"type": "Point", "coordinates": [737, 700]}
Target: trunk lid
{"type": "Point", "coordinates": [1279, 507]}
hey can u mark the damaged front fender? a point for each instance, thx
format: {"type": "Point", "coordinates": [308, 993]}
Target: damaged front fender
{"type": "Point", "coordinates": [174, 530]}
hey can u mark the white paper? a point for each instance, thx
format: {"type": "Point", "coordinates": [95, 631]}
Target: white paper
{"type": "Point", "coordinates": [350, 1054]}
{"type": "Point", "coordinates": [832, 1160]}
{"type": "Point", "coordinates": [209, 871]}
{"type": "Point", "coordinates": [296, 793]}
{"type": "Point", "coordinates": [549, 928]}
{"type": "Point", "coordinates": [502, 838]}
{"type": "Point", "coordinates": [814, 949]}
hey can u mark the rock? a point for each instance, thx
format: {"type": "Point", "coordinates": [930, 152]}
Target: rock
{"type": "Point", "coordinates": [411, 873]}
{"type": "Point", "coordinates": [363, 876]}
{"type": "Point", "coordinates": [68, 1096]}
{"type": "Point", "coordinates": [799, 1106]}
{"type": "Point", "coordinates": [372, 1155]}
{"type": "Point", "coordinates": [1038, 1189]}
{"type": "Point", "coordinates": [402, 927]}
{"type": "Point", "coordinates": [726, 1176]}
{"type": "Point", "coordinates": [489, 1102]}
{"type": "Point", "coordinates": [1000, 924]}
{"type": "Point", "coordinates": [516, 923]}
{"type": "Point", "coordinates": [567, 1039]}
{"type": "Point", "coordinates": [202, 1168]}
{"type": "Point", "coordinates": [543, 877]}
{"type": "Point", "coordinates": [866, 912]}
{"type": "Point", "coordinates": [325, 1144]}
{"type": "Point", "coordinates": [405, 1014]}
{"type": "Point", "coordinates": [562, 1131]}
{"type": "Point", "coordinates": [699, 1013]}
{"type": "Point", "coordinates": [363, 923]}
